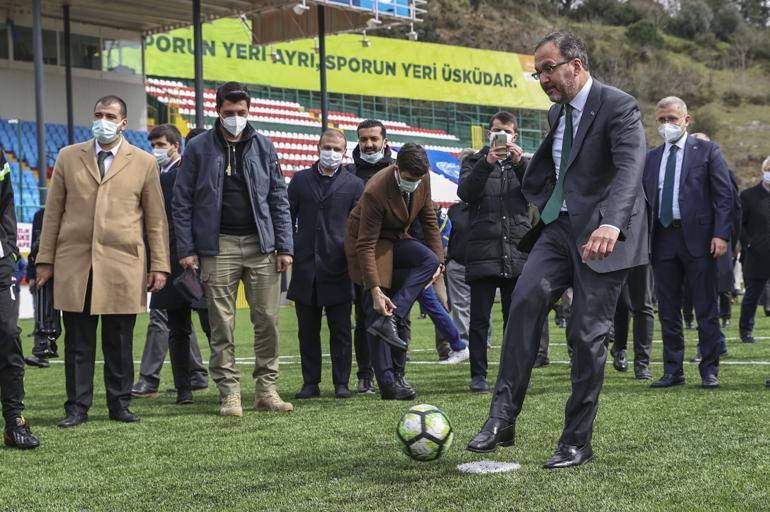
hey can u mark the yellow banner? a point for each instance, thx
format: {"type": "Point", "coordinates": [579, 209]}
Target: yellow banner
{"type": "Point", "coordinates": [388, 67]}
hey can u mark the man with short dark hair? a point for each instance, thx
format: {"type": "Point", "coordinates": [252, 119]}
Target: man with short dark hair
{"type": "Point", "coordinates": [371, 155]}
{"type": "Point", "coordinates": [393, 268]}
{"type": "Point", "coordinates": [104, 200]}
{"type": "Point", "coordinates": [231, 210]}
{"type": "Point", "coordinates": [320, 199]}
{"type": "Point", "coordinates": [17, 433]}
{"type": "Point", "coordinates": [490, 182]}
{"type": "Point", "coordinates": [586, 181]}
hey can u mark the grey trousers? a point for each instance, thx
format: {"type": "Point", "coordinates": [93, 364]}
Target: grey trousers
{"type": "Point", "coordinates": [459, 293]}
{"type": "Point", "coordinates": [156, 347]}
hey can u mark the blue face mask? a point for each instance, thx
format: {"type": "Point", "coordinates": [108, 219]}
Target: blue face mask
{"type": "Point", "coordinates": [406, 185]}
{"type": "Point", "coordinates": [373, 158]}
{"type": "Point", "coordinates": [104, 131]}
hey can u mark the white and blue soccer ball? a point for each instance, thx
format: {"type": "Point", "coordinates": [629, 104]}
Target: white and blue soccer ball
{"type": "Point", "coordinates": [425, 432]}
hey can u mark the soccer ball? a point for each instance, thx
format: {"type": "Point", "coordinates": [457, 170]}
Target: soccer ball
{"type": "Point", "coordinates": [425, 432]}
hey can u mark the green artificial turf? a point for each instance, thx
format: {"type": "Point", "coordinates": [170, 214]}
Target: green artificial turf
{"type": "Point", "coordinates": [679, 449]}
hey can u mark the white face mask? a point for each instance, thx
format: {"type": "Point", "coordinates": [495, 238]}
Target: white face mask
{"type": "Point", "coordinates": [234, 124]}
{"type": "Point", "coordinates": [331, 159]}
{"type": "Point", "coordinates": [670, 132]}
{"type": "Point", "coordinates": [104, 131]}
{"type": "Point", "coordinates": [766, 177]}
{"type": "Point", "coordinates": [406, 185]}
{"type": "Point", "coordinates": [373, 158]}
{"type": "Point", "coordinates": [162, 156]}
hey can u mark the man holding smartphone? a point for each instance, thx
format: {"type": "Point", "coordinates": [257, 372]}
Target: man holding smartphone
{"type": "Point", "coordinates": [490, 182]}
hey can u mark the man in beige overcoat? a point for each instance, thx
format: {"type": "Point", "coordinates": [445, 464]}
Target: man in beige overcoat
{"type": "Point", "coordinates": [103, 198]}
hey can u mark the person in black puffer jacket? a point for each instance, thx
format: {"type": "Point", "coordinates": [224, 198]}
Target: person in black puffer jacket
{"type": "Point", "coordinates": [490, 182]}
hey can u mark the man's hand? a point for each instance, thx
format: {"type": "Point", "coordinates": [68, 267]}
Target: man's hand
{"type": "Point", "coordinates": [601, 244]}
{"type": "Point", "coordinates": [44, 272]}
{"type": "Point", "coordinates": [436, 275]}
{"type": "Point", "coordinates": [381, 302]}
{"type": "Point", "coordinates": [496, 154]}
{"type": "Point", "coordinates": [155, 281]}
{"type": "Point", "coordinates": [189, 262]}
{"type": "Point", "coordinates": [515, 151]}
{"type": "Point", "coordinates": [718, 247]}
{"type": "Point", "coordinates": [283, 262]}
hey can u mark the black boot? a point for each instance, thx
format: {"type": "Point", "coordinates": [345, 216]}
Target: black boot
{"type": "Point", "coordinates": [386, 329]}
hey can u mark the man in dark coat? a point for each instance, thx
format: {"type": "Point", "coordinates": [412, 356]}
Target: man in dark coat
{"type": "Point", "coordinates": [490, 182]}
{"type": "Point", "coordinates": [320, 199]}
{"type": "Point", "coordinates": [755, 249]}
{"type": "Point", "coordinates": [371, 155]}
{"type": "Point", "coordinates": [586, 181]}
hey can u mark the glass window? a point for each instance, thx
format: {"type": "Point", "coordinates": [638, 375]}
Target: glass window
{"type": "Point", "coordinates": [122, 56]}
{"type": "Point", "coordinates": [85, 52]}
{"type": "Point", "coordinates": [3, 41]}
{"type": "Point", "coordinates": [23, 49]}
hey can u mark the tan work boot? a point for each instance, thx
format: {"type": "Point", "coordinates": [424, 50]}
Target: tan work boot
{"type": "Point", "coordinates": [271, 401]}
{"type": "Point", "coordinates": [231, 405]}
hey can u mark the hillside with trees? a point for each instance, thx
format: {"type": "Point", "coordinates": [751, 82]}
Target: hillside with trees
{"type": "Point", "coordinates": [715, 54]}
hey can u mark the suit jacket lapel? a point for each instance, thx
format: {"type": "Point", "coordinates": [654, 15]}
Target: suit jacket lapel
{"type": "Point", "coordinates": [122, 159]}
{"type": "Point", "coordinates": [590, 109]}
{"type": "Point", "coordinates": [88, 157]}
{"type": "Point", "coordinates": [653, 177]}
{"type": "Point", "coordinates": [690, 148]}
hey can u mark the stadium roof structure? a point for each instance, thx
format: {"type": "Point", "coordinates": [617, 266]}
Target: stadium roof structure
{"type": "Point", "coordinates": [272, 20]}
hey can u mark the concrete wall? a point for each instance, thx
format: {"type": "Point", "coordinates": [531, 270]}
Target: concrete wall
{"type": "Point", "coordinates": [17, 100]}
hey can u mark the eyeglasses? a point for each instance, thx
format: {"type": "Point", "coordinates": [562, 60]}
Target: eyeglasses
{"type": "Point", "coordinates": [548, 69]}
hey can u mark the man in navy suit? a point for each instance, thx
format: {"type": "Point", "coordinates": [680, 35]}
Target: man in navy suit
{"type": "Point", "coordinates": [320, 199]}
{"type": "Point", "coordinates": [688, 185]}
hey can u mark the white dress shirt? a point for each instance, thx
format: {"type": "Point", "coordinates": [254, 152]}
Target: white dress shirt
{"type": "Point", "coordinates": [110, 158]}
{"type": "Point", "coordinates": [677, 175]}
{"type": "Point", "coordinates": [168, 167]}
{"type": "Point", "coordinates": [578, 104]}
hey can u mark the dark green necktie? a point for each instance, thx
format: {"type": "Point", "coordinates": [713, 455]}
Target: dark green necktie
{"type": "Point", "coordinates": [555, 202]}
{"type": "Point", "coordinates": [667, 199]}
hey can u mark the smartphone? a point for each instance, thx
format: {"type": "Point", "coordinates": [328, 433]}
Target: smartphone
{"type": "Point", "coordinates": [501, 139]}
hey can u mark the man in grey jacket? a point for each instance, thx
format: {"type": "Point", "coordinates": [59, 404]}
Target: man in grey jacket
{"type": "Point", "coordinates": [231, 216]}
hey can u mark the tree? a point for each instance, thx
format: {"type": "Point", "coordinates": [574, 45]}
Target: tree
{"type": "Point", "coordinates": [644, 35]}
{"type": "Point", "coordinates": [756, 12]}
{"type": "Point", "coordinates": [727, 19]}
{"type": "Point", "coordinates": [693, 17]}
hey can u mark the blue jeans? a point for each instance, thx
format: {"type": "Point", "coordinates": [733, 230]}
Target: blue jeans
{"type": "Point", "coordinates": [440, 317]}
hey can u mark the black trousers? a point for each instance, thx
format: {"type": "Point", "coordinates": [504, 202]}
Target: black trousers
{"type": "Point", "coordinates": [482, 301]}
{"type": "Point", "coordinates": [179, 333]}
{"type": "Point", "coordinates": [80, 357]}
{"type": "Point", "coordinates": [672, 263]}
{"type": "Point", "coordinates": [553, 266]}
{"type": "Point", "coordinates": [636, 300]}
{"type": "Point", "coordinates": [11, 358]}
{"type": "Point", "coordinates": [338, 321]}
{"type": "Point", "coordinates": [363, 360]}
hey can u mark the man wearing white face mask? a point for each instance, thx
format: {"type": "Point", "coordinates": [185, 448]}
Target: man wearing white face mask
{"type": "Point", "coordinates": [231, 210]}
{"type": "Point", "coordinates": [104, 201]}
{"type": "Point", "coordinates": [320, 199]}
{"type": "Point", "coordinates": [688, 186]}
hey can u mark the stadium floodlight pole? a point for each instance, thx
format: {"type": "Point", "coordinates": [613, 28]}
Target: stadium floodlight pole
{"type": "Point", "coordinates": [42, 160]}
{"type": "Point", "coordinates": [322, 67]}
{"type": "Point", "coordinates": [68, 75]}
{"type": "Point", "coordinates": [198, 56]}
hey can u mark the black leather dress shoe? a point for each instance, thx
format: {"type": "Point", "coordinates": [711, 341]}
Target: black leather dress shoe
{"type": "Point", "coordinates": [308, 391]}
{"type": "Point", "coordinates": [668, 380]}
{"type": "Point", "coordinates": [479, 384]}
{"type": "Point", "coordinates": [125, 416]}
{"type": "Point", "coordinates": [401, 381]}
{"type": "Point", "coordinates": [709, 382]}
{"type": "Point", "coordinates": [619, 360]}
{"type": "Point", "coordinates": [143, 390]}
{"type": "Point", "coordinates": [184, 397]}
{"type": "Point", "coordinates": [396, 392]}
{"type": "Point", "coordinates": [386, 329]}
{"type": "Point", "coordinates": [34, 360]}
{"type": "Point", "coordinates": [494, 433]}
{"type": "Point", "coordinates": [20, 436]}
{"type": "Point", "coordinates": [342, 391]}
{"type": "Point", "coordinates": [73, 419]}
{"type": "Point", "coordinates": [642, 373]}
{"type": "Point", "coordinates": [567, 456]}
{"type": "Point", "coordinates": [747, 337]}
{"type": "Point", "coordinates": [541, 362]}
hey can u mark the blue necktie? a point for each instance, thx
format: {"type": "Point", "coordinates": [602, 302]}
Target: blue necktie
{"type": "Point", "coordinates": [667, 201]}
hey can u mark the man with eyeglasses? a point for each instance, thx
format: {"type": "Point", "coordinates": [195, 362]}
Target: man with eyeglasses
{"type": "Point", "coordinates": [586, 180]}
{"type": "Point", "coordinates": [231, 217]}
